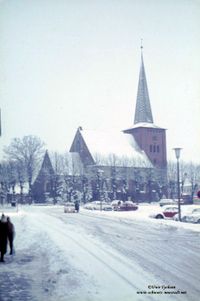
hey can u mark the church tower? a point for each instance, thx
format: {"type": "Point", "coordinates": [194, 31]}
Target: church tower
{"type": "Point", "coordinates": [150, 138]}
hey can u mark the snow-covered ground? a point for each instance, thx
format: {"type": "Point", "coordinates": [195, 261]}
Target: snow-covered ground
{"type": "Point", "coordinates": [97, 256]}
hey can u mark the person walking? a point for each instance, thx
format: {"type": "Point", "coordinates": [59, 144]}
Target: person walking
{"type": "Point", "coordinates": [3, 237]}
{"type": "Point", "coordinates": [77, 206]}
{"type": "Point", "coordinates": [11, 234]}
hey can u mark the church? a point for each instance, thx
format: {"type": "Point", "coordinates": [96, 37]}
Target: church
{"type": "Point", "coordinates": [132, 162]}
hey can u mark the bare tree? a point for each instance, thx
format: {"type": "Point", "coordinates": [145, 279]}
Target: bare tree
{"type": "Point", "coordinates": [26, 151]}
{"type": "Point", "coordinates": [191, 172]}
{"type": "Point", "coordinates": [8, 177]}
{"type": "Point", "coordinates": [172, 178]}
{"type": "Point", "coordinates": [58, 166]}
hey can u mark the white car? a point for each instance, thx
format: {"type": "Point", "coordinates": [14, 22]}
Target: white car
{"type": "Point", "coordinates": [195, 218]}
{"type": "Point", "coordinates": [98, 205]}
{"type": "Point", "coordinates": [164, 202]}
{"type": "Point", "coordinates": [95, 205]}
{"type": "Point", "coordinates": [166, 212]}
{"type": "Point", "coordinates": [188, 214]}
{"type": "Point", "coordinates": [69, 208]}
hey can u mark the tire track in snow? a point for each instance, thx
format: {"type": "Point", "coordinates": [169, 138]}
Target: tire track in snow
{"type": "Point", "coordinates": [114, 263]}
{"type": "Point", "coordinates": [162, 266]}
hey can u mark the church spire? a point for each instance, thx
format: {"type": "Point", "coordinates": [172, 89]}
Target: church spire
{"type": "Point", "coordinates": [143, 108]}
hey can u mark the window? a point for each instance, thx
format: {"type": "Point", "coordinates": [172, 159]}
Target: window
{"type": "Point", "coordinates": [158, 148]}
{"type": "Point", "coordinates": [151, 148]}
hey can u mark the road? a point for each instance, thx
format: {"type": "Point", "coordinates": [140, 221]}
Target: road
{"type": "Point", "coordinates": [89, 256]}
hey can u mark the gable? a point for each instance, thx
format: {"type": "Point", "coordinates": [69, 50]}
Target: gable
{"type": "Point", "coordinates": [79, 146]}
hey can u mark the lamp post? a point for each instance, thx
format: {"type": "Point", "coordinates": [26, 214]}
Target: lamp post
{"type": "Point", "coordinates": [99, 176]}
{"type": "Point", "coordinates": [177, 153]}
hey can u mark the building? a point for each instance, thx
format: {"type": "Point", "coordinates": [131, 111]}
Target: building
{"type": "Point", "coordinates": [60, 183]}
{"type": "Point", "coordinates": [43, 186]}
{"type": "Point", "coordinates": [130, 163]}
{"type": "Point", "coordinates": [150, 138]}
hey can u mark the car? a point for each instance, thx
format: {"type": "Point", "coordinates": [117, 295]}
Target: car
{"type": "Point", "coordinates": [126, 206]}
{"type": "Point", "coordinates": [167, 212]}
{"type": "Point", "coordinates": [164, 202]}
{"type": "Point", "coordinates": [187, 213]}
{"type": "Point", "coordinates": [195, 218]}
{"type": "Point", "coordinates": [115, 204]}
{"type": "Point", "coordinates": [69, 208]}
{"type": "Point", "coordinates": [98, 205]}
{"type": "Point", "coordinates": [89, 206]}
{"type": "Point", "coordinates": [107, 207]}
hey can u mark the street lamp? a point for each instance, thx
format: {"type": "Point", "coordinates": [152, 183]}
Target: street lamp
{"type": "Point", "coordinates": [177, 153]}
{"type": "Point", "coordinates": [99, 176]}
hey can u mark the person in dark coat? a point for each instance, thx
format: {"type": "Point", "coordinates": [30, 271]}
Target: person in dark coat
{"type": "Point", "coordinates": [3, 236]}
{"type": "Point", "coordinates": [77, 206]}
{"type": "Point", "coordinates": [11, 234]}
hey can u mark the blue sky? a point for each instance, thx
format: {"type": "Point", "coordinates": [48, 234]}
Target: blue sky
{"type": "Point", "coordinates": [69, 63]}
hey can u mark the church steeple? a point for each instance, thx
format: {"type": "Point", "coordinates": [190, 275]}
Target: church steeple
{"type": "Point", "coordinates": [143, 108]}
{"type": "Point", "coordinates": [150, 138]}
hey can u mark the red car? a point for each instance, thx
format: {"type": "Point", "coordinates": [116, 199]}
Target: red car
{"type": "Point", "coordinates": [167, 212]}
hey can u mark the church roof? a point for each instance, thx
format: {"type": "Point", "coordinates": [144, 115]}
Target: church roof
{"type": "Point", "coordinates": [46, 168]}
{"type": "Point", "coordinates": [144, 125]}
{"type": "Point", "coordinates": [106, 146]}
{"type": "Point", "coordinates": [74, 166]}
{"type": "Point", "coordinates": [46, 164]}
{"type": "Point", "coordinates": [143, 107]}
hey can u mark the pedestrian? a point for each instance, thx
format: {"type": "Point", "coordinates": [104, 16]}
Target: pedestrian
{"type": "Point", "coordinates": [77, 206]}
{"type": "Point", "coordinates": [3, 236]}
{"type": "Point", "coordinates": [11, 234]}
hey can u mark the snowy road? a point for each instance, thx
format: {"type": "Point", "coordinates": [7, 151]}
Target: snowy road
{"type": "Point", "coordinates": [99, 256]}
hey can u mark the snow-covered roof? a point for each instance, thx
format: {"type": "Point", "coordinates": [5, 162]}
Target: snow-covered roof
{"type": "Point", "coordinates": [114, 147]}
{"type": "Point", "coordinates": [144, 125]}
{"type": "Point", "coordinates": [73, 164]}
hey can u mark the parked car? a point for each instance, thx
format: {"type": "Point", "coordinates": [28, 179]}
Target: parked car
{"type": "Point", "coordinates": [115, 204]}
{"type": "Point", "coordinates": [69, 208]}
{"type": "Point", "coordinates": [164, 202]}
{"type": "Point", "coordinates": [89, 206]}
{"type": "Point", "coordinates": [107, 207]}
{"type": "Point", "coordinates": [195, 218]}
{"type": "Point", "coordinates": [167, 212]}
{"type": "Point", "coordinates": [98, 205]}
{"type": "Point", "coordinates": [187, 213]}
{"type": "Point", "coordinates": [126, 206]}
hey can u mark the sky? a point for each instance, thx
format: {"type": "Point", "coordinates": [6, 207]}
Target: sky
{"type": "Point", "coordinates": [71, 63]}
